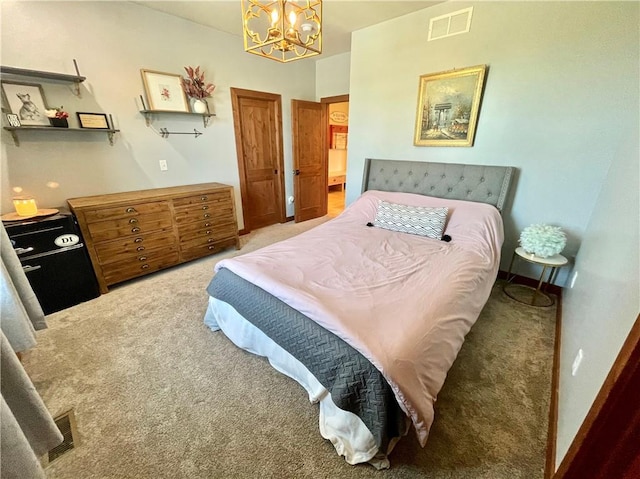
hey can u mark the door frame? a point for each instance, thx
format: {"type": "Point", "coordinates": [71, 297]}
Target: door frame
{"type": "Point", "coordinates": [326, 102]}
{"type": "Point", "coordinates": [236, 95]}
{"type": "Point", "coordinates": [606, 443]}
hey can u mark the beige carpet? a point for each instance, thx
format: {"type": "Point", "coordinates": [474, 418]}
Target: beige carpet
{"type": "Point", "coordinates": [158, 395]}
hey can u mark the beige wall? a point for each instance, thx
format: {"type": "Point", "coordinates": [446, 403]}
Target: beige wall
{"type": "Point", "coordinates": [112, 41]}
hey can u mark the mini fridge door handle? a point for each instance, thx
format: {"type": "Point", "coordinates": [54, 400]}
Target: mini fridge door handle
{"type": "Point", "coordinates": [29, 269]}
{"type": "Point", "coordinates": [55, 251]}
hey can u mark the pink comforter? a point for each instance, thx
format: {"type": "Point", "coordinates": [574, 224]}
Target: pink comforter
{"type": "Point", "coordinates": [405, 302]}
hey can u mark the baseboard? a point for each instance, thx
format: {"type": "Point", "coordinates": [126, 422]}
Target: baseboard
{"type": "Point", "coordinates": [243, 231]}
{"type": "Point", "coordinates": [552, 431]}
{"type": "Point", "coordinates": [549, 288]}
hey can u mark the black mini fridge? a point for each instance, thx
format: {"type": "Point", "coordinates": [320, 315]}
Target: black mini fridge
{"type": "Point", "coordinates": [55, 260]}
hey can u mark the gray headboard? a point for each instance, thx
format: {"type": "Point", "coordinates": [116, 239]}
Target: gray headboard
{"type": "Point", "coordinates": [484, 184]}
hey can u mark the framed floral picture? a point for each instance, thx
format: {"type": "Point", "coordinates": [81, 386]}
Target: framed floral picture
{"type": "Point", "coordinates": [164, 91]}
{"type": "Point", "coordinates": [448, 106]}
{"type": "Point", "coordinates": [27, 101]}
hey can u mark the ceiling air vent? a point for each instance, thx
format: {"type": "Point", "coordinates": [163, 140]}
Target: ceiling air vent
{"type": "Point", "coordinates": [453, 23]}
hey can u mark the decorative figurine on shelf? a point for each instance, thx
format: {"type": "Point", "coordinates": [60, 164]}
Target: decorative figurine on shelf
{"type": "Point", "coordinates": [197, 88]}
{"type": "Point", "coordinates": [58, 117]}
{"type": "Point", "coordinates": [543, 240]}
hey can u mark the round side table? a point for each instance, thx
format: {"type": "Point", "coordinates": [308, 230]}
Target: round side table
{"type": "Point", "coordinates": [527, 294]}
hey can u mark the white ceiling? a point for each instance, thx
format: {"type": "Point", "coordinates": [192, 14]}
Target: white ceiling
{"type": "Point", "coordinates": [340, 18]}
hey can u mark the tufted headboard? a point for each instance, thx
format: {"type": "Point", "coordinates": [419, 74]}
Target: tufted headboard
{"type": "Point", "coordinates": [484, 184]}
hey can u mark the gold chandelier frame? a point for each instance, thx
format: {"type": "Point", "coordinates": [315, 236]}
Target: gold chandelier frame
{"type": "Point", "coordinates": [282, 30]}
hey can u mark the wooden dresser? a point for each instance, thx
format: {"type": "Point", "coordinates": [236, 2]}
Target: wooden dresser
{"type": "Point", "coordinates": [138, 232]}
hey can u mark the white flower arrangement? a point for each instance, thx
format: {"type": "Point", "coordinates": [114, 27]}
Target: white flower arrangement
{"type": "Point", "coordinates": [543, 240]}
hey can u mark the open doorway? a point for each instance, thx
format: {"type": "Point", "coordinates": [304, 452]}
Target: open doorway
{"type": "Point", "coordinates": [338, 134]}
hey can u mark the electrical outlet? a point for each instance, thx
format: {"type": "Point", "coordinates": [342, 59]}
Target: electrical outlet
{"type": "Point", "coordinates": [576, 362]}
{"type": "Point", "coordinates": [573, 279]}
{"type": "Point", "coordinates": [163, 165]}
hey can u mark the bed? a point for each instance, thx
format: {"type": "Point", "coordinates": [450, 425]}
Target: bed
{"type": "Point", "coordinates": [366, 316]}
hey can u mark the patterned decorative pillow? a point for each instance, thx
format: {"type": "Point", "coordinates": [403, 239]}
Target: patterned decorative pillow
{"type": "Point", "coordinates": [417, 220]}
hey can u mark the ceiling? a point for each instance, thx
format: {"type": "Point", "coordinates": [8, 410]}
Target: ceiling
{"type": "Point", "coordinates": [340, 18]}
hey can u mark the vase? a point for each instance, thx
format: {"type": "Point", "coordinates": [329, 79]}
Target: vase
{"type": "Point", "coordinates": [59, 122]}
{"type": "Point", "coordinates": [199, 106]}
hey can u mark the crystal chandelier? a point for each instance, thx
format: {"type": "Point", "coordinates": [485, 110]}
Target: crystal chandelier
{"type": "Point", "coordinates": [282, 30]}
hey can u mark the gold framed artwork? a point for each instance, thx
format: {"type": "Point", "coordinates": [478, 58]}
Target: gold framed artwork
{"type": "Point", "coordinates": [164, 91]}
{"type": "Point", "coordinates": [448, 107]}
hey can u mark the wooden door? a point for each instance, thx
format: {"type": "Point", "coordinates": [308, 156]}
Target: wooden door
{"type": "Point", "coordinates": [309, 159]}
{"type": "Point", "coordinates": [257, 119]}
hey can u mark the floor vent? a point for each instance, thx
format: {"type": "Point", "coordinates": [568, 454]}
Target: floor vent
{"type": "Point", "coordinates": [450, 24]}
{"type": "Point", "coordinates": [66, 422]}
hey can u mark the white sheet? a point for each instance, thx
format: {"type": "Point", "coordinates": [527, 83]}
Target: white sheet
{"type": "Point", "coordinates": [345, 430]}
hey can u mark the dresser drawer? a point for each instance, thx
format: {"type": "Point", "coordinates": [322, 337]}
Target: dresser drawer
{"type": "Point", "coordinates": [111, 229]}
{"type": "Point", "coordinates": [206, 248]}
{"type": "Point", "coordinates": [153, 261]}
{"type": "Point", "coordinates": [337, 180]}
{"type": "Point", "coordinates": [129, 210]}
{"type": "Point", "coordinates": [185, 231]}
{"type": "Point", "coordinates": [215, 198]}
{"type": "Point", "coordinates": [192, 213]}
{"type": "Point", "coordinates": [209, 235]}
{"type": "Point", "coordinates": [124, 248]}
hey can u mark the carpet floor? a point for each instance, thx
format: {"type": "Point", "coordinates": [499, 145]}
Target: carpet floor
{"type": "Point", "coordinates": [158, 395]}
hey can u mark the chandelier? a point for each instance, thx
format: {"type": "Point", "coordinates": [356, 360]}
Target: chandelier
{"type": "Point", "coordinates": [282, 30]}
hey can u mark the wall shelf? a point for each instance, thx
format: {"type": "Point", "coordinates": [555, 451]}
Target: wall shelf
{"type": "Point", "coordinates": [148, 115]}
{"type": "Point", "coordinates": [15, 129]}
{"type": "Point", "coordinates": [52, 76]}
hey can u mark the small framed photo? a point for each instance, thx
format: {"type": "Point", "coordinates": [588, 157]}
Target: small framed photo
{"type": "Point", "coordinates": [13, 120]}
{"type": "Point", "coordinates": [96, 121]}
{"type": "Point", "coordinates": [27, 101]}
{"type": "Point", "coordinates": [164, 91]}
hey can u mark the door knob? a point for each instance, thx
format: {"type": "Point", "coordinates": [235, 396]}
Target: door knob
{"type": "Point", "coordinates": [296, 172]}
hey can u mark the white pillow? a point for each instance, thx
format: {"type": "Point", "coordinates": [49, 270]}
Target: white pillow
{"type": "Point", "coordinates": [417, 220]}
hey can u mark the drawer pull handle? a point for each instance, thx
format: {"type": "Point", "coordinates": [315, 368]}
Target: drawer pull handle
{"type": "Point", "coordinates": [210, 240]}
{"type": "Point", "coordinates": [133, 221]}
{"type": "Point", "coordinates": [212, 247]}
{"type": "Point", "coordinates": [140, 248]}
{"type": "Point", "coordinates": [130, 210]}
{"type": "Point", "coordinates": [138, 240]}
{"type": "Point", "coordinates": [206, 225]}
{"type": "Point", "coordinates": [205, 207]}
{"type": "Point", "coordinates": [135, 230]}
{"type": "Point", "coordinates": [142, 258]}
{"type": "Point", "coordinates": [208, 232]}
{"type": "Point", "coordinates": [144, 266]}
{"type": "Point", "coordinates": [204, 198]}
{"type": "Point", "coordinates": [206, 215]}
